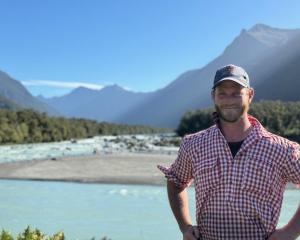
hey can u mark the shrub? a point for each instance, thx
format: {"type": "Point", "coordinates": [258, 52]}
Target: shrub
{"type": "Point", "coordinates": [35, 234]}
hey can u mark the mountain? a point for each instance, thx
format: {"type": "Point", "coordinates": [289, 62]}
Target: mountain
{"type": "Point", "coordinates": [270, 56]}
{"type": "Point", "coordinates": [102, 105]}
{"type": "Point", "coordinates": [281, 75]}
{"type": "Point", "coordinates": [13, 91]}
{"type": "Point", "coordinates": [253, 49]}
{"type": "Point", "coordinates": [111, 102]}
{"type": "Point", "coordinates": [7, 104]}
{"type": "Point", "coordinates": [67, 103]}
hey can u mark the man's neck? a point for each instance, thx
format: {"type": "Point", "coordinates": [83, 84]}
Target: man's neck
{"type": "Point", "coordinates": [237, 131]}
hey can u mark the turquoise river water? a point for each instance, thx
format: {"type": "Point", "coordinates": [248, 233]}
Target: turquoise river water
{"type": "Point", "coordinates": [83, 211]}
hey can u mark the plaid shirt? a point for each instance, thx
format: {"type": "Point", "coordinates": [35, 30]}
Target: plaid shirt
{"type": "Point", "coordinates": [240, 197]}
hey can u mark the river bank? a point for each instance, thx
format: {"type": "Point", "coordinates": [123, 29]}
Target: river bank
{"type": "Point", "coordinates": [129, 168]}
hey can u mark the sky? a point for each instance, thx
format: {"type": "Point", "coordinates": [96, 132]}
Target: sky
{"type": "Point", "coordinates": [54, 46]}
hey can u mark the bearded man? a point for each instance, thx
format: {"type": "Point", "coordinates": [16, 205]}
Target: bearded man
{"type": "Point", "coordinates": [239, 170]}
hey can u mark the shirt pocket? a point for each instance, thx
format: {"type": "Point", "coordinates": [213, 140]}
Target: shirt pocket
{"type": "Point", "coordinates": [207, 173]}
{"type": "Point", "coordinates": [259, 177]}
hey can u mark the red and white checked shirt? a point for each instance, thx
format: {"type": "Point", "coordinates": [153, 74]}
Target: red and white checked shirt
{"type": "Point", "coordinates": [240, 197]}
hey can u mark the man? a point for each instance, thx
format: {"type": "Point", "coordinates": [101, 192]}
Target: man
{"type": "Point", "coordinates": [239, 170]}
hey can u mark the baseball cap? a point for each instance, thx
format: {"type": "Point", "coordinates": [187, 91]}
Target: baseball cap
{"type": "Point", "coordinates": [233, 73]}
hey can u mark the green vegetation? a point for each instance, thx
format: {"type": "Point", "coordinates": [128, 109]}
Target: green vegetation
{"type": "Point", "coordinates": [282, 118]}
{"type": "Point", "coordinates": [28, 126]}
{"type": "Point", "coordinates": [35, 234]}
{"type": "Point", "coordinates": [30, 234]}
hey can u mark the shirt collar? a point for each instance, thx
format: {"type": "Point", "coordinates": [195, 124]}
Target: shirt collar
{"type": "Point", "coordinates": [257, 131]}
{"type": "Point", "coordinates": [258, 128]}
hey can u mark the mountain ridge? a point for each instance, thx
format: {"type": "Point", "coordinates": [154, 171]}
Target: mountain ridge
{"type": "Point", "coordinates": [265, 52]}
{"type": "Point", "coordinates": [245, 50]}
{"type": "Point", "coordinates": [14, 91]}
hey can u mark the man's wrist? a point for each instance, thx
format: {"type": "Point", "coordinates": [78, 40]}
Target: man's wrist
{"type": "Point", "coordinates": [185, 227]}
{"type": "Point", "coordinates": [292, 231]}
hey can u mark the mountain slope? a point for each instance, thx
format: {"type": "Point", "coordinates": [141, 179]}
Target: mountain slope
{"type": "Point", "coordinates": [17, 93]}
{"type": "Point", "coordinates": [67, 103]}
{"type": "Point", "coordinates": [109, 103]}
{"type": "Point", "coordinates": [268, 54]}
{"type": "Point", "coordinates": [191, 90]}
{"type": "Point", "coordinates": [283, 81]}
{"type": "Point", "coordinates": [8, 104]}
{"type": "Point", "coordinates": [103, 105]}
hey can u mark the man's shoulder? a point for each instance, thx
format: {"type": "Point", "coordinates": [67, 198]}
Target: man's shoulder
{"type": "Point", "coordinates": [197, 137]}
{"type": "Point", "coordinates": [279, 141]}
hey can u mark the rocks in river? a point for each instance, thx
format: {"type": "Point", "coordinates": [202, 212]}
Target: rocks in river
{"type": "Point", "coordinates": [167, 141]}
{"type": "Point", "coordinates": [167, 144]}
{"type": "Point", "coordinates": [152, 143]}
{"type": "Point", "coordinates": [95, 151]}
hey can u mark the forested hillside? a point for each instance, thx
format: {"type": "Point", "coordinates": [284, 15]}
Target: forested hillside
{"type": "Point", "coordinates": [28, 126]}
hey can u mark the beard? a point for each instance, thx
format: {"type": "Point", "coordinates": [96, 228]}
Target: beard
{"type": "Point", "coordinates": [231, 114]}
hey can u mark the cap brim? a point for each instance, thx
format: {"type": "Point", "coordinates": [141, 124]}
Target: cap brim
{"type": "Point", "coordinates": [231, 79]}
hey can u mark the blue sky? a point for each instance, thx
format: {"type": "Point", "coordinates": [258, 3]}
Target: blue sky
{"type": "Point", "coordinates": [53, 46]}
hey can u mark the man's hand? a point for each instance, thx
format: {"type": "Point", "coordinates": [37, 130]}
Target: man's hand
{"type": "Point", "coordinates": [283, 234]}
{"type": "Point", "coordinates": [191, 233]}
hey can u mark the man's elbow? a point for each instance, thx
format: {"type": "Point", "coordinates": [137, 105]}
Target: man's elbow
{"type": "Point", "coordinates": [173, 187]}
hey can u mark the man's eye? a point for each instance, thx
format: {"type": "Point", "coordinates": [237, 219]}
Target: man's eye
{"type": "Point", "coordinates": [237, 94]}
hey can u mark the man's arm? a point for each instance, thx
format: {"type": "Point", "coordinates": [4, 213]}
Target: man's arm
{"type": "Point", "coordinates": [291, 172]}
{"type": "Point", "coordinates": [291, 231]}
{"type": "Point", "coordinates": [179, 203]}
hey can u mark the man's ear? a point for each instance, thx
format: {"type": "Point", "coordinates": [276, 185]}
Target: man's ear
{"type": "Point", "coordinates": [251, 94]}
{"type": "Point", "coordinates": [212, 94]}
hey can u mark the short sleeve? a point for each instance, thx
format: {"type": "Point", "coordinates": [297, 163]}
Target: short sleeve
{"type": "Point", "coordinates": [181, 171]}
{"type": "Point", "coordinates": [292, 164]}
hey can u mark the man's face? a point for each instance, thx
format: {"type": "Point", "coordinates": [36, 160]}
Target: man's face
{"type": "Point", "coordinates": [232, 100]}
